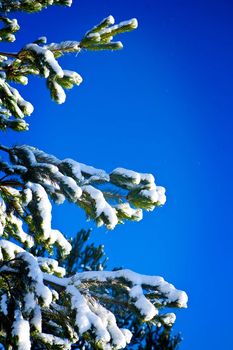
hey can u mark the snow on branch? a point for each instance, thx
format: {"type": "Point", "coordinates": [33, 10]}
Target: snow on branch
{"type": "Point", "coordinates": [83, 303]}
{"type": "Point", "coordinates": [29, 207]}
{"type": "Point", "coordinates": [41, 59]}
{"type": "Point", "coordinates": [10, 26]}
{"type": "Point", "coordinates": [30, 6]}
{"type": "Point", "coordinates": [39, 177]}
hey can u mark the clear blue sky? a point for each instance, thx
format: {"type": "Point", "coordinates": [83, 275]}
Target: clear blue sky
{"type": "Point", "coordinates": [162, 105]}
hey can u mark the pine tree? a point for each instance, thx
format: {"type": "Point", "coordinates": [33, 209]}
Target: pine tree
{"type": "Point", "coordinates": [86, 257]}
{"type": "Point", "coordinates": [42, 306]}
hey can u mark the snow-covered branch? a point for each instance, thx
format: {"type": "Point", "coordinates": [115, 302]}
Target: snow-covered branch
{"type": "Point", "coordinates": [41, 59]}
{"type": "Point", "coordinates": [85, 301]}
{"type": "Point", "coordinates": [40, 177]}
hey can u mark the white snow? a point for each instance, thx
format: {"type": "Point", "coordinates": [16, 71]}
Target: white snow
{"type": "Point", "coordinates": [128, 174]}
{"type": "Point", "coordinates": [36, 320]}
{"type": "Point", "coordinates": [91, 171]}
{"type": "Point", "coordinates": [57, 237]}
{"type": "Point", "coordinates": [69, 45]}
{"type": "Point", "coordinates": [126, 209]}
{"type": "Point", "coordinates": [110, 19]}
{"type": "Point", "coordinates": [19, 233]}
{"type": "Point", "coordinates": [152, 195]}
{"type": "Point", "coordinates": [172, 294]}
{"type": "Point", "coordinates": [102, 206]}
{"type": "Point", "coordinates": [51, 266]}
{"type": "Point", "coordinates": [92, 315]}
{"type": "Point", "coordinates": [75, 191]}
{"type": "Point", "coordinates": [27, 196]}
{"type": "Point", "coordinates": [95, 36]}
{"type": "Point", "coordinates": [29, 301]}
{"type": "Point", "coordinates": [48, 57]}
{"type": "Point", "coordinates": [3, 304]}
{"type": "Point", "coordinates": [21, 330]}
{"type": "Point", "coordinates": [60, 93]}
{"type": "Point", "coordinates": [53, 340]}
{"type": "Point", "coordinates": [27, 106]}
{"type": "Point", "coordinates": [127, 334]}
{"type": "Point", "coordinates": [74, 167]}
{"type": "Point", "coordinates": [148, 178]}
{"type": "Point", "coordinates": [161, 193]}
{"type": "Point", "coordinates": [76, 78]}
{"type": "Point", "coordinates": [9, 248]}
{"type": "Point", "coordinates": [133, 23]}
{"type": "Point", "coordinates": [44, 208]}
{"type": "Point", "coordinates": [36, 275]}
{"type": "Point", "coordinates": [169, 319]}
{"type": "Point", "coordinates": [146, 308]}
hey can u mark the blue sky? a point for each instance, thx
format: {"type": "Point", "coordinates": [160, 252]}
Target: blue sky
{"type": "Point", "coordinates": [163, 105]}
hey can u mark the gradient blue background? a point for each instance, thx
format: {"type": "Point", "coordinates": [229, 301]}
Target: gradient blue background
{"type": "Point", "coordinates": [162, 105]}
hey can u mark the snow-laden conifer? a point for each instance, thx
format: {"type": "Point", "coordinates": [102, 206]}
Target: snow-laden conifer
{"type": "Point", "coordinates": [41, 305]}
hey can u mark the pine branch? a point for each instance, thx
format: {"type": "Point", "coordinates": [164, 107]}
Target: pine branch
{"type": "Point", "coordinates": [37, 177]}
{"type": "Point", "coordinates": [41, 59]}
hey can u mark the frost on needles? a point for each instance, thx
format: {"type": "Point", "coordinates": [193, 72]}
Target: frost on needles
{"type": "Point", "coordinates": [41, 305]}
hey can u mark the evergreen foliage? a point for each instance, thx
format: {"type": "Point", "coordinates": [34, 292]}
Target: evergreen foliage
{"type": "Point", "coordinates": [41, 59]}
{"type": "Point", "coordinates": [43, 305]}
{"type": "Point", "coordinates": [86, 257]}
